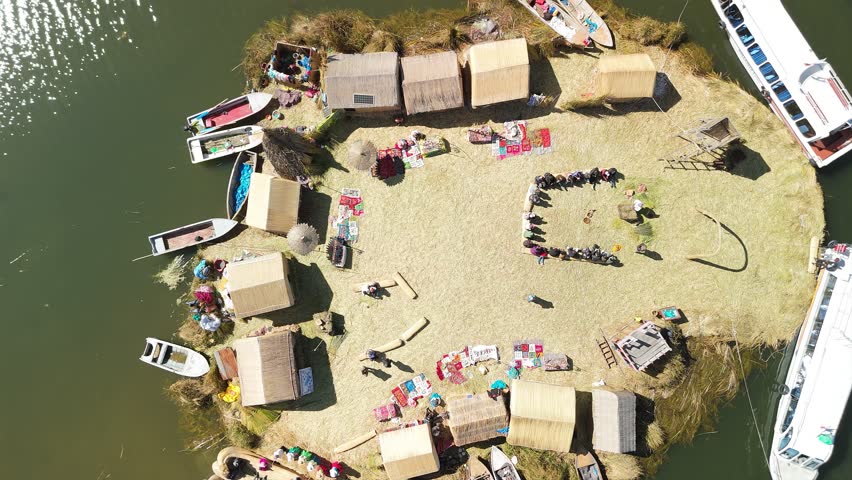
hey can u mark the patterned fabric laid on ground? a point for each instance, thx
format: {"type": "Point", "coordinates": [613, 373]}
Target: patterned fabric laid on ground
{"type": "Point", "coordinates": [528, 353]}
{"type": "Point", "coordinates": [406, 393]}
{"type": "Point", "coordinates": [350, 205]}
{"type": "Point", "coordinates": [451, 364]}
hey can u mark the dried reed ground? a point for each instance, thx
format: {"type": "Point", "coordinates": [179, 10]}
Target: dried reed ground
{"type": "Point", "coordinates": [453, 230]}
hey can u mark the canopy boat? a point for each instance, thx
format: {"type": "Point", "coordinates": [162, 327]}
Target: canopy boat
{"type": "Point", "coordinates": [174, 358]}
{"type": "Point", "coordinates": [223, 143]}
{"type": "Point", "coordinates": [588, 467]}
{"type": "Point", "coordinates": [238, 185]}
{"type": "Point", "coordinates": [569, 28]}
{"type": "Point", "coordinates": [190, 235]}
{"type": "Point", "coordinates": [227, 113]}
{"type": "Point", "coordinates": [502, 467]}
{"type": "Point", "coordinates": [476, 470]}
{"type": "Point", "coordinates": [801, 88]}
{"type": "Point", "coordinates": [583, 13]}
{"type": "Point", "coordinates": [819, 380]}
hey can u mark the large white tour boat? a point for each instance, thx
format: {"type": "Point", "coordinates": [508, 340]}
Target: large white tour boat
{"type": "Point", "coordinates": [801, 88]}
{"type": "Point", "coordinates": [819, 379]}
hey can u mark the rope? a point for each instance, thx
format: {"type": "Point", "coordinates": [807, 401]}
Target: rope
{"type": "Point", "coordinates": [748, 395]}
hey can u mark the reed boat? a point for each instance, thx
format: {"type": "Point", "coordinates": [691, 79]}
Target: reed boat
{"type": "Point", "coordinates": [174, 358]}
{"type": "Point", "coordinates": [227, 113]}
{"type": "Point", "coordinates": [236, 207]}
{"type": "Point", "coordinates": [819, 381]}
{"type": "Point", "coordinates": [190, 235]}
{"type": "Point", "coordinates": [210, 146]}
{"type": "Point", "coordinates": [240, 463]}
{"type": "Point", "coordinates": [581, 11]}
{"type": "Point", "coordinates": [802, 89]}
{"type": "Point", "coordinates": [588, 467]}
{"type": "Point", "coordinates": [569, 28]}
{"type": "Point", "coordinates": [502, 467]}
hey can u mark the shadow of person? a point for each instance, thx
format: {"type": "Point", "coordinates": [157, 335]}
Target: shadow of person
{"type": "Point", "coordinates": [402, 367]}
{"type": "Point", "coordinates": [380, 374]}
{"type": "Point", "coordinates": [543, 303]}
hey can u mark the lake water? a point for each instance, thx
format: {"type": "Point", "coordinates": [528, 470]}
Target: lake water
{"type": "Point", "coordinates": [92, 95]}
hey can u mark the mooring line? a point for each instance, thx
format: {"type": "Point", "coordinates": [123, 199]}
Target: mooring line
{"type": "Point", "coordinates": [748, 395]}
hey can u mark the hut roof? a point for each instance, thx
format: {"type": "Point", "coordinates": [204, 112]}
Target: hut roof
{"type": "Point", "coordinates": [499, 71]}
{"type": "Point", "coordinates": [475, 418]}
{"type": "Point", "coordinates": [408, 452]}
{"type": "Point", "coordinates": [643, 346]}
{"type": "Point", "coordinates": [614, 416]}
{"type": "Point", "coordinates": [626, 77]}
{"type": "Point", "coordinates": [267, 368]}
{"type": "Point", "coordinates": [543, 416]}
{"type": "Point", "coordinates": [431, 83]}
{"type": "Point", "coordinates": [362, 81]}
{"type": "Point", "coordinates": [273, 203]}
{"type": "Point", "coordinates": [259, 285]}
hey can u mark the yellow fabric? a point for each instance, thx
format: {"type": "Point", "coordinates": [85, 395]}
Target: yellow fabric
{"type": "Point", "coordinates": [231, 394]}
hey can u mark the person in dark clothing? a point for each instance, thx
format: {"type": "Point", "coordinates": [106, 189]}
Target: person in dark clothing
{"type": "Point", "coordinates": [549, 180]}
{"type": "Point", "coordinates": [554, 252]}
{"type": "Point", "coordinates": [594, 177]}
{"type": "Point", "coordinates": [561, 181]}
{"type": "Point", "coordinates": [540, 182]}
{"type": "Point", "coordinates": [609, 175]}
{"type": "Point", "coordinates": [529, 243]}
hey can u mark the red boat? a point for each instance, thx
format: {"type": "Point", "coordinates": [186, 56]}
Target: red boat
{"type": "Point", "coordinates": [227, 113]}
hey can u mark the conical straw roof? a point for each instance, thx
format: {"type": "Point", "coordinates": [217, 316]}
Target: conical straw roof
{"type": "Point", "coordinates": [302, 238]}
{"type": "Point", "coordinates": [362, 155]}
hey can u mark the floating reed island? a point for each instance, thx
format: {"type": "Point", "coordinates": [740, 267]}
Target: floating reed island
{"type": "Point", "coordinates": [423, 261]}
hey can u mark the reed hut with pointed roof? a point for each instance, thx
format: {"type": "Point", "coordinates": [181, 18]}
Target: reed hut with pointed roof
{"type": "Point", "coordinates": [543, 416]}
{"type": "Point", "coordinates": [624, 78]}
{"type": "Point", "coordinates": [614, 416]}
{"type": "Point", "coordinates": [267, 368]}
{"type": "Point", "coordinates": [409, 452]}
{"type": "Point", "coordinates": [273, 203]}
{"type": "Point", "coordinates": [476, 418]}
{"type": "Point", "coordinates": [498, 71]}
{"type": "Point", "coordinates": [364, 82]}
{"type": "Point", "coordinates": [260, 285]}
{"type": "Point", "coordinates": [431, 83]}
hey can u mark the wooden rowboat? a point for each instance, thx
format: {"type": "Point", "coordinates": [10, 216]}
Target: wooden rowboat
{"type": "Point", "coordinates": [476, 470]}
{"type": "Point", "coordinates": [233, 209]}
{"type": "Point", "coordinates": [220, 144]}
{"type": "Point", "coordinates": [582, 12]}
{"type": "Point", "coordinates": [190, 235]}
{"type": "Point", "coordinates": [227, 113]}
{"type": "Point", "coordinates": [588, 467]}
{"type": "Point", "coordinates": [174, 358]}
{"type": "Point", "coordinates": [502, 467]}
{"type": "Point", "coordinates": [568, 27]}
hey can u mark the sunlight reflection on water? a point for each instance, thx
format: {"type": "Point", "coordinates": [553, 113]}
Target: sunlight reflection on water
{"type": "Point", "coordinates": [44, 43]}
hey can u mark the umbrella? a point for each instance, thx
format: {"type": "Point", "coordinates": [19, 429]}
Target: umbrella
{"type": "Point", "coordinates": [362, 155]}
{"type": "Point", "coordinates": [303, 238]}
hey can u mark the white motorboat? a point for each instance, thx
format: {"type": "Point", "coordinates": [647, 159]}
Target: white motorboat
{"type": "Point", "coordinates": [819, 379]}
{"type": "Point", "coordinates": [802, 89]}
{"type": "Point", "coordinates": [174, 358]}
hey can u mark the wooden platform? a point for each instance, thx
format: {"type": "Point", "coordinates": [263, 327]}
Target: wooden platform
{"type": "Point", "coordinates": [226, 363]}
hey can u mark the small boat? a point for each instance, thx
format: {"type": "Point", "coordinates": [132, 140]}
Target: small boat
{"type": "Point", "coordinates": [476, 470]}
{"type": "Point", "coordinates": [572, 30]}
{"type": "Point", "coordinates": [223, 143]}
{"type": "Point", "coordinates": [237, 195]}
{"type": "Point", "coordinates": [227, 113]}
{"type": "Point", "coordinates": [174, 358]}
{"type": "Point", "coordinates": [502, 467]}
{"type": "Point", "coordinates": [581, 11]}
{"type": "Point", "coordinates": [588, 467]}
{"type": "Point", "coordinates": [190, 235]}
{"type": "Point", "coordinates": [818, 380]}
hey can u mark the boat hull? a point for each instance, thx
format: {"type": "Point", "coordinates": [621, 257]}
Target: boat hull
{"type": "Point", "coordinates": [227, 113]}
{"type": "Point", "coordinates": [565, 26]}
{"type": "Point", "coordinates": [251, 136]}
{"type": "Point", "coordinates": [162, 354]}
{"type": "Point", "coordinates": [499, 461]}
{"type": "Point", "coordinates": [581, 10]}
{"type": "Point", "coordinates": [188, 236]}
{"type": "Point", "coordinates": [232, 210]}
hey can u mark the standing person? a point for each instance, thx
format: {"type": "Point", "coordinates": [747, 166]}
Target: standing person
{"type": "Point", "coordinates": [539, 252]}
{"type": "Point", "coordinates": [278, 455]}
{"type": "Point", "coordinates": [531, 298]}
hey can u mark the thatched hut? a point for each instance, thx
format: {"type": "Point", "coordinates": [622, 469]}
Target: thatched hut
{"type": "Point", "coordinates": [614, 416]}
{"type": "Point", "coordinates": [259, 285]}
{"type": "Point", "coordinates": [367, 82]}
{"type": "Point", "coordinates": [543, 416]}
{"type": "Point", "coordinates": [475, 418]}
{"type": "Point", "coordinates": [431, 83]}
{"type": "Point", "coordinates": [267, 368]}
{"type": "Point", "coordinates": [624, 78]}
{"type": "Point", "coordinates": [498, 72]}
{"type": "Point", "coordinates": [409, 452]}
{"type": "Point", "coordinates": [273, 203]}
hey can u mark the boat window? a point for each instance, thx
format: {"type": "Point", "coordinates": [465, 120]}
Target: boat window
{"type": "Point", "coordinates": [801, 459]}
{"type": "Point", "coordinates": [745, 35]}
{"type": "Point", "coordinates": [794, 110]}
{"type": "Point", "coordinates": [781, 92]}
{"type": "Point", "coordinates": [734, 16]}
{"type": "Point", "coordinates": [805, 128]}
{"type": "Point", "coordinates": [757, 54]}
{"type": "Point", "coordinates": [789, 453]}
{"type": "Point", "coordinates": [768, 72]}
{"type": "Point", "coordinates": [813, 464]}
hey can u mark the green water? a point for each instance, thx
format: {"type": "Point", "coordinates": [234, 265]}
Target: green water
{"type": "Point", "coordinates": [92, 96]}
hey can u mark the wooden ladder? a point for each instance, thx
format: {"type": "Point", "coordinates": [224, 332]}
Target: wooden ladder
{"type": "Point", "coordinates": [608, 355]}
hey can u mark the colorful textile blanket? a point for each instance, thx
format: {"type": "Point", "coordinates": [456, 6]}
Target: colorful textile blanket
{"type": "Point", "coordinates": [512, 142]}
{"type": "Point", "coordinates": [541, 141]}
{"type": "Point", "coordinates": [528, 353]}
{"type": "Point", "coordinates": [412, 157]}
{"type": "Point", "coordinates": [414, 389]}
{"type": "Point", "coordinates": [451, 364]}
{"type": "Point", "coordinates": [350, 205]}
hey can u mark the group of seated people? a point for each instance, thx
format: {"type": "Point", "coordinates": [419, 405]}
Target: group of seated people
{"type": "Point", "coordinates": [577, 178]}
{"type": "Point", "coordinates": [591, 254]}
